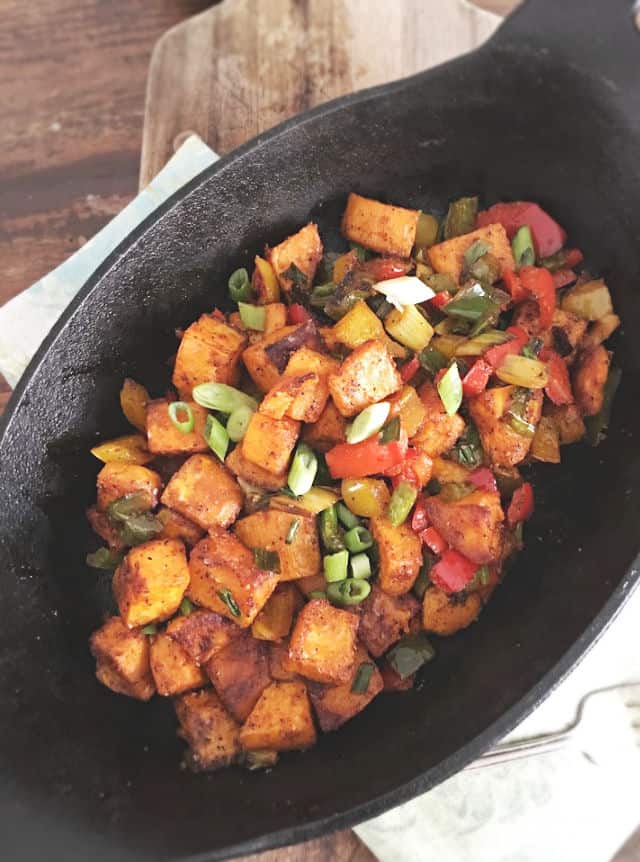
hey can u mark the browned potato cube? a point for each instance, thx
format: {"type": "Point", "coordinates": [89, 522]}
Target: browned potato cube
{"type": "Point", "coordinates": [302, 252]}
{"type": "Point", "coordinates": [205, 492]}
{"type": "Point", "coordinates": [174, 672]}
{"type": "Point", "coordinates": [504, 446]}
{"type": "Point", "coordinates": [202, 633]}
{"type": "Point", "coordinates": [311, 584]}
{"type": "Point", "coordinates": [209, 351]}
{"type": "Point", "coordinates": [448, 256]}
{"type": "Point", "coordinates": [269, 529]}
{"type": "Point", "coordinates": [307, 361]}
{"type": "Point", "coordinates": [328, 431]}
{"type": "Point", "coordinates": [164, 438]}
{"type": "Point", "coordinates": [367, 375]}
{"type": "Point", "coordinates": [472, 525]}
{"type": "Point", "coordinates": [567, 420]}
{"type": "Point", "coordinates": [269, 442]}
{"type": "Point", "coordinates": [280, 665]}
{"type": "Point", "coordinates": [382, 227]}
{"type": "Point", "coordinates": [400, 553]}
{"type": "Point", "coordinates": [384, 619]}
{"type": "Point", "coordinates": [118, 479]}
{"type": "Point", "coordinates": [253, 473]}
{"type": "Point", "coordinates": [239, 673]}
{"type": "Point", "coordinates": [176, 526]}
{"type": "Point", "coordinates": [438, 431]}
{"type": "Point", "coordinates": [276, 618]}
{"type": "Point", "coordinates": [589, 376]}
{"type": "Point", "coordinates": [323, 642]}
{"type": "Point", "coordinates": [281, 720]}
{"type": "Point", "coordinates": [411, 409]}
{"type": "Point", "coordinates": [445, 615]}
{"type": "Point", "coordinates": [303, 398]}
{"type": "Point", "coordinates": [275, 316]}
{"type": "Point", "coordinates": [267, 359]}
{"type": "Point", "coordinates": [224, 579]}
{"type": "Point", "coordinates": [564, 335]}
{"type": "Point", "coordinates": [105, 528]}
{"type": "Point", "coordinates": [336, 704]}
{"type": "Point", "coordinates": [208, 729]}
{"type": "Point", "coordinates": [150, 583]}
{"type": "Point", "coordinates": [122, 659]}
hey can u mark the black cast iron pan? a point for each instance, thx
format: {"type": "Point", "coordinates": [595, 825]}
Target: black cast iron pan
{"type": "Point", "coordinates": [548, 110]}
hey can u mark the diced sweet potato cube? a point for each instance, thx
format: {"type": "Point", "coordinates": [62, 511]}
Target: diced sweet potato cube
{"type": "Point", "coordinates": [307, 361]}
{"type": "Point", "coordinates": [445, 615]}
{"type": "Point", "coordinates": [276, 618]}
{"type": "Point", "coordinates": [224, 579]}
{"type": "Point", "coordinates": [174, 672]}
{"type": "Point", "coordinates": [382, 227]}
{"type": "Point", "coordinates": [358, 325]}
{"type": "Point", "coordinates": [240, 673]}
{"type": "Point", "coordinates": [205, 492]}
{"type": "Point", "coordinates": [275, 316]}
{"type": "Point", "coordinates": [563, 336]}
{"type": "Point", "coordinates": [400, 553]}
{"type": "Point", "coordinates": [471, 525]}
{"type": "Point", "coordinates": [502, 444]}
{"type": "Point", "coordinates": [280, 665]}
{"type": "Point", "coordinates": [281, 720]}
{"type": "Point", "coordinates": [202, 633]}
{"type": "Point", "coordinates": [567, 420]}
{"type": "Point", "coordinates": [589, 377]}
{"type": "Point", "coordinates": [411, 409]}
{"type": "Point", "coordinates": [150, 583]}
{"type": "Point", "coordinates": [209, 351]}
{"type": "Point", "coordinates": [269, 442]}
{"type": "Point", "coordinates": [336, 704]}
{"type": "Point", "coordinates": [269, 529]}
{"type": "Point", "coordinates": [448, 256]}
{"type": "Point", "coordinates": [367, 375]}
{"type": "Point", "coordinates": [105, 528]}
{"type": "Point", "coordinates": [208, 729]}
{"type": "Point", "coordinates": [438, 432]}
{"type": "Point", "coordinates": [311, 584]}
{"type": "Point", "coordinates": [303, 398]}
{"type": "Point", "coordinates": [384, 619]}
{"type": "Point", "coordinates": [117, 479]}
{"type": "Point", "coordinates": [328, 431]}
{"type": "Point", "coordinates": [261, 367]}
{"type": "Point", "coordinates": [253, 473]}
{"type": "Point", "coordinates": [164, 438]}
{"type": "Point", "coordinates": [302, 252]}
{"type": "Point", "coordinates": [122, 659]}
{"type": "Point", "coordinates": [323, 642]}
{"type": "Point", "coordinates": [176, 526]}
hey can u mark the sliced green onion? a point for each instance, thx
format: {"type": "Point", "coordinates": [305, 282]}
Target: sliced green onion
{"type": "Point", "coordinates": [321, 294]}
{"type": "Point", "coordinates": [294, 526]}
{"type": "Point", "coordinates": [409, 654]}
{"type": "Point", "coordinates": [391, 431]}
{"type": "Point", "coordinates": [184, 425]}
{"type": "Point", "coordinates": [361, 252]}
{"type": "Point", "coordinates": [130, 504]}
{"type": "Point", "coordinates": [426, 230]}
{"type": "Point", "coordinates": [349, 592]}
{"type": "Point", "coordinates": [186, 607]}
{"type": "Point", "coordinates": [450, 390]}
{"type": "Point", "coordinates": [461, 217]}
{"type": "Point", "coordinates": [423, 581]}
{"type": "Point", "coordinates": [240, 286]}
{"type": "Point", "coordinates": [226, 596]}
{"type": "Point", "coordinates": [520, 371]}
{"type": "Point", "coordinates": [346, 516]}
{"type": "Point", "coordinates": [140, 528]}
{"type": "Point", "coordinates": [476, 346]}
{"type": "Point", "coordinates": [597, 425]}
{"type": "Point", "coordinates": [150, 629]}
{"type": "Point", "coordinates": [330, 532]}
{"type": "Point", "coordinates": [360, 565]}
{"type": "Point", "coordinates": [451, 492]}
{"type": "Point", "coordinates": [362, 678]}
{"type": "Point", "coordinates": [522, 245]}
{"type": "Point", "coordinates": [519, 532]}
{"type": "Point", "coordinates": [238, 422]}
{"type": "Point", "coordinates": [303, 469]}
{"type": "Point", "coordinates": [358, 539]}
{"type": "Point", "coordinates": [402, 501]}
{"type": "Point", "coordinates": [368, 422]}
{"type": "Point", "coordinates": [260, 759]}
{"type": "Point", "coordinates": [468, 448]}
{"type": "Point", "coordinates": [221, 397]}
{"type": "Point", "coordinates": [253, 316]}
{"type": "Point", "coordinates": [432, 360]}
{"type": "Point", "coordinates": [476, 250]}
{"type": "Point", "coordinates": [335, 566]}
{"type": "Point", "coordinates": [216, 436]}
{"type": "Point", "coordinates": [317, 594]}
{"type": "Point", "coordinates": [267, 560]}
{"type": "Point", "coordinates": [517, 413]}
{"type": "Point", "coordinates": [471, 303]}
{"type": "Point", "coordinates": [105, 559]}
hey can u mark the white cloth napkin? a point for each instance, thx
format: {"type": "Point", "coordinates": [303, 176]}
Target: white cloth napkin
{"type": "Point", "coordinates": [554, 808]}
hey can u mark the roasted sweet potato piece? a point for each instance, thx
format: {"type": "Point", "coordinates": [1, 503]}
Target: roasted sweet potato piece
{"type": "Point", "coordinates": [445, 615]}
{"type": "Point", "coordinates": [367, 375]}
{"type": "Point", "coordinates": [204, 492]}
{"type": "Point", "coordinates": [269, 442]}
{"type": "Point", "coordinates": [174, 672]}
{"type": "Point", "coordinates": [323, 642]}
{"type": "Point", "coordinates": [210, 350]}
{"type": "Point", "coordinates": [117, 479]}
{"type": "Point", "coordinates": [306, 360]}
{"type": "Point", "coordinates": [122, 659]}
{"type": "Point", "coordinates": [239, 673]}
{"type": "Point", "coordinates": [224, 578]}
{"type": "Point", "coordinates": [600, 330]}
{"type": "Point", "coordinates": [411, 409]}
{"type": "Point", "coordinates": [296, 259]}
{"type": "Point", "coordinates": [253, 473]}
{"type": "Point", "coordinates": [448, 256]}
{"type": "Point", "coordinates": [471, 525]}
{"type": "Point", "coordinates": [269, 529]}
{"type": "Point", "coordinates": [102, 524]}
{"type": "Point", "coordinates": [302, 397]}
{"type": "Point", "coordinates": [267, 359]}
{"type": "Point", "coordinates": [328, 431]}
{"type": "Point", "coordinates": [276, 618]}
{"type": "Point", "coordinates": [275, 316]}
{"type": "Point", "coordinates": [564, 335]}
{"type": "Point", "coordinates": [382, 227]}
{"type": "Point", "coordinates": [281, 720]}
{"type": "Point", "coordinates": [202, 633]}
{"type": "Point", "coordinates": [176, 526]}
{"type": "Point", "coordinates": [438, 432]}
{"type": "Point", "coordinates": [384, 619]}
{"type": "Point", "coordinates": [164, 438]}
{"type": "Point", "coordinates": [150, 583]}
{"type": "Point", "coordinates": [336, 704]}
{"type": "Point", "coordinates": [280, 665]}
{"type": "Point", "coordinates": [502, 444]}
{"type": "Point", "coordinates": [589, 376]}
{"type": "Point", "coordinates": [400, 553]}
{"type": "Point", "coordinates": [568, 421]}
{"type": "Point", "coordinates": [208, 729]}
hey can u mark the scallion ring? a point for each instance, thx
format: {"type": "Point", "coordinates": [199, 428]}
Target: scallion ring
{"type": "Point", "coordinates": [368, 422]}
{"type": "Point", "coordinates": [216, 436]}
{"type": "Point", "coordinates": [302, 472]}
{"type": "Point", "coordinates": [222, 397]}
{"type": "Point", "coordinates": [186, 425]}
{"type": "Point", "coordinates": [360, 565]}
{"type": "Point", "coordinates": [358, 539]}
{"type": "Point", "coordinates": [335, 566]}
{"type": "Point", "coordinates": [240, 286]}
{"type": "Point", "coordinates": [450, 390]}
{"type": "Point", "coordinates": [239, 422]}
{"type": "Point", "coordinates": [352, 591]}
{"type": "Point", "coordinates": [253, 316]}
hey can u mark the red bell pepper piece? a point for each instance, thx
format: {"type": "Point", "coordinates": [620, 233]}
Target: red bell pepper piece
{"type": "Point", "coordinates": [297, 314]}
{"type": "Point", "coordinates": [514, 285]}
{"type": "Point", "coordinates": [563, 277]}
{"type": "Point", "coordinates": [453, 572]}
{"type": "Point", "coordinates": [433, 540]}
{"type": "Point", "coordinates": [548, 236]}
{"type": "Point", "coordinates": [475, 380]}
{"type": "Point", "coordinates": [495, 355]}
{"type": "Point", "coordinates": [483, 478]}
{"type": "Point", "coordinates": [538, 281]}
{"type": "Point", "coordinates": [521, 505]}
{"type": "Point", "coordinates": [409, 369]}
{"type": "Point", "coordinates": [558, 387]}
{"type": "Point", "coordinates": [382, 268]}
{"type": "Point", "coordinates": [440, 299]}
{"type": "Point", "coordinates": [419, 520]}
{"type": "Point", "coordinates": [357, 460]}
{"type": "Point", "coordinates": [573, 257]}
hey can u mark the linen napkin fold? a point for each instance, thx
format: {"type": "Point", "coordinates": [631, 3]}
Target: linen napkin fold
{"type": "Point", "coordinates": [554, 808]}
